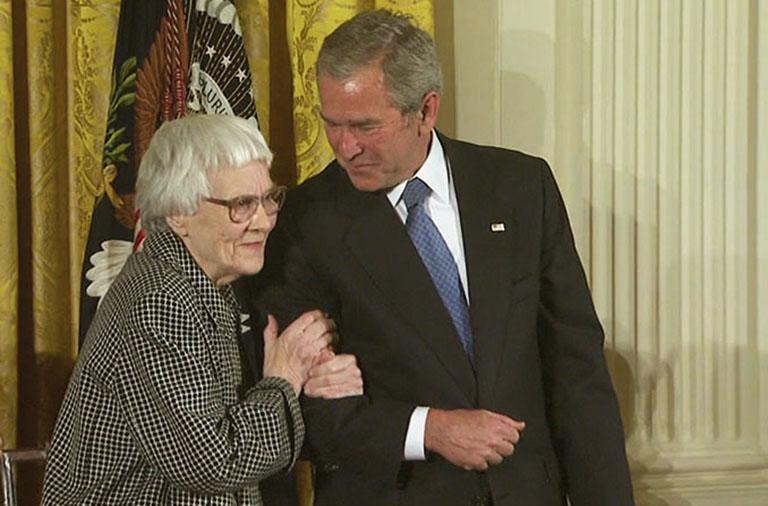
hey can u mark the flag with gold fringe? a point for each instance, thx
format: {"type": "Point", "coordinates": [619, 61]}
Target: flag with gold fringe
{"type": "Point", "coordinates": [171, 57]}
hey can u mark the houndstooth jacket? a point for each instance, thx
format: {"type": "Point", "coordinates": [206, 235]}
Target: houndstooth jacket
{"type": "Point", "coordinates": [154, 413]}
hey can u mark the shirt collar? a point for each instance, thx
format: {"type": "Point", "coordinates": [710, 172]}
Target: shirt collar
{"type": "Point", "coordinates": [434, 173]}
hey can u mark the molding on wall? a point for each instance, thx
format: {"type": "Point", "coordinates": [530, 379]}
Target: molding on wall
{"type": "Point", "coordinates": [702, 460]}
{"type": "Point", "coordinates": [737, 495]}
{"type": "Point", "coordinates": [655, 115]}
{"type": "Point", "coordinates": [760, 187]}
{"type": "Point", "coordinates": [476, 50]}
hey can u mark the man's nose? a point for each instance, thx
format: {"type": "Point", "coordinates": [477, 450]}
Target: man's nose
{"type": "Point", "coordinates": [349, 145]}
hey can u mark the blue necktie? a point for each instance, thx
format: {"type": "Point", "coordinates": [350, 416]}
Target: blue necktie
{"type": "Point", "coordinates": [438, 260]}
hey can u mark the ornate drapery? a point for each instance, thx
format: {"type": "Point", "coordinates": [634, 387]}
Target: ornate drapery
{"type": "Point", "coordinates": [54, 85]}
{"type": "Point", "coordinates": [9, 270]}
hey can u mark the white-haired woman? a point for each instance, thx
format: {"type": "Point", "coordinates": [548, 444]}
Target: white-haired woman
{"type": "Point", "coordinates": [155, 412]}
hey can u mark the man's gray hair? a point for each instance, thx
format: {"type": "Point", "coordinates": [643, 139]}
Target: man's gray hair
{"type": "Point", "coordinates": [406, 53]}
{"type": "Point", "coordinates": [174, 175]}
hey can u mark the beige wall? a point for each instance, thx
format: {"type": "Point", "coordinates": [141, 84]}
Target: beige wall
{"type": "Point", "coordinates": [654, 116]}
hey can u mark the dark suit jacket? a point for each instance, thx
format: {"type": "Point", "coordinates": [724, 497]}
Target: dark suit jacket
{"type": "Point", "coordinates": [538, 342]}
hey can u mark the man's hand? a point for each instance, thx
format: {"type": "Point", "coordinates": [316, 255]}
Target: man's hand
{"type": "Point", "coordinates": [471, 438]}
{"type": "Point", "coordinates": [334, 376]}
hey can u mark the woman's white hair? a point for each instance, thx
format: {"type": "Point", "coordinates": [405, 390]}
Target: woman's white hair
{"type": "Point", "coordinates": [174, 175]}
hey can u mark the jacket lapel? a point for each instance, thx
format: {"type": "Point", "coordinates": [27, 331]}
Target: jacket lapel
{"type": "Point", "coordinates": [378, 240]}
{"type": "Point", "coordinates": [489, 255]}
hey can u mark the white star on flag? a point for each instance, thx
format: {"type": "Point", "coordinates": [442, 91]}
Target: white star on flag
{"type": "Point", "coordinates": [225, 60]}
{"type": "Point", "coordinates": [240, 75]}
{"type": "Point", "coordinates": [210, 50]}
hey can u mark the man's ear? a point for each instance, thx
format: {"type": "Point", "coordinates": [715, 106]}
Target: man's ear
{"type": "Point", "coordinates": [428, 113]}
{"type": "Point", "coordinates": [178, 224]}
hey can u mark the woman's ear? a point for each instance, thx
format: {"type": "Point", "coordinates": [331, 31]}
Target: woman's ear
{"type": "Point", "coordinates": [178, 224]}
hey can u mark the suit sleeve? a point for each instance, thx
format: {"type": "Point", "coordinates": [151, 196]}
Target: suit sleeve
{"type": "Point", "coordinates": [581, 404]}
{"type": "Point", "coordinates": [358, 432]}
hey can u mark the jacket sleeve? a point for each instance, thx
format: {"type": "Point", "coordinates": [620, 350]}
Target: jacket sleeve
{"type": "Point", "coordinates": [359, 432]}
{"type": "Point", "coordinates": [581, 404]}
{"type": "Point", "coordinates": [177, 410]}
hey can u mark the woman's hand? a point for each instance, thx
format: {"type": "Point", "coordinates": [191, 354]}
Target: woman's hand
{"type": "Point", "coordinates": [297, 349]}
{"type": "Point", "coordinates": [334, 376]}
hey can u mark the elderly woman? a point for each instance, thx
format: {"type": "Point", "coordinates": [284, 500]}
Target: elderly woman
{"type": "Point", "coordinates": [156, 412]}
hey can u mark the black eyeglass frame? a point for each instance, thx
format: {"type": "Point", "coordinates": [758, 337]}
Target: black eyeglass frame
{"type": "Point", "coordinates": [272, 201]}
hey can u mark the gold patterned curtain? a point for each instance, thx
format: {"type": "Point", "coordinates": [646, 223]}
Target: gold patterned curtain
{"type": "Point", "coordinates": [54, 84]}
{"type": "Point", "coordinates": [55, 59]}
{"type": "Point", "coordinates": [9, 272]}
{"type": "Point", "coordinates": [55, 71]}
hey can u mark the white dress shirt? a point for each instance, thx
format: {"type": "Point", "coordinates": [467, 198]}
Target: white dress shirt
{"type": "Point", "coordinates": [442, 207]}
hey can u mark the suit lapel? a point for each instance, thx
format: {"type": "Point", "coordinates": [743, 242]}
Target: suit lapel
{"type": "Point", "coordinates": [378, 240]}
{"type": "Point", "coordinates": [490, 257]}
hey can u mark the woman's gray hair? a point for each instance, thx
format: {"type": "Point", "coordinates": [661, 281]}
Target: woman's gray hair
{"type": "Point", "coordinates": [406, 53]}
{"type": "Point", "coordinates": [174, 175]}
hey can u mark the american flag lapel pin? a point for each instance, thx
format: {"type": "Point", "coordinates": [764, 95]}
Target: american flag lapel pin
{"type": "Point", "coordinates": [498, 227]}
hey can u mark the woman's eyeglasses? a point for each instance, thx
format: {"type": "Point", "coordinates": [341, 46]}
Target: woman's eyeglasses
{"type": "Point", "coordinates": [243, 207]}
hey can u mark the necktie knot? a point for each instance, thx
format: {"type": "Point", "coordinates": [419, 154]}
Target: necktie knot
{"type": "Point", "coordinates": [415, 193]}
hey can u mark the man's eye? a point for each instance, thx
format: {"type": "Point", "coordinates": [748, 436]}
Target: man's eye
{"type": "Point", "coordinates": [368, 128]}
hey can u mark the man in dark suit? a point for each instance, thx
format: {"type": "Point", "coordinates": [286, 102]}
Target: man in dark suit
{"type": "Point", "coordinates": [451, 272]}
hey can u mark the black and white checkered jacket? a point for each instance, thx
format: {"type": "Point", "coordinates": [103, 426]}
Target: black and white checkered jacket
{"type": "Point", "coordinates": [154, 413]}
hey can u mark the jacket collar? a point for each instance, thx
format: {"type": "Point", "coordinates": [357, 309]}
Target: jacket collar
{"type": "Point", "coordinates": [220, 303]}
